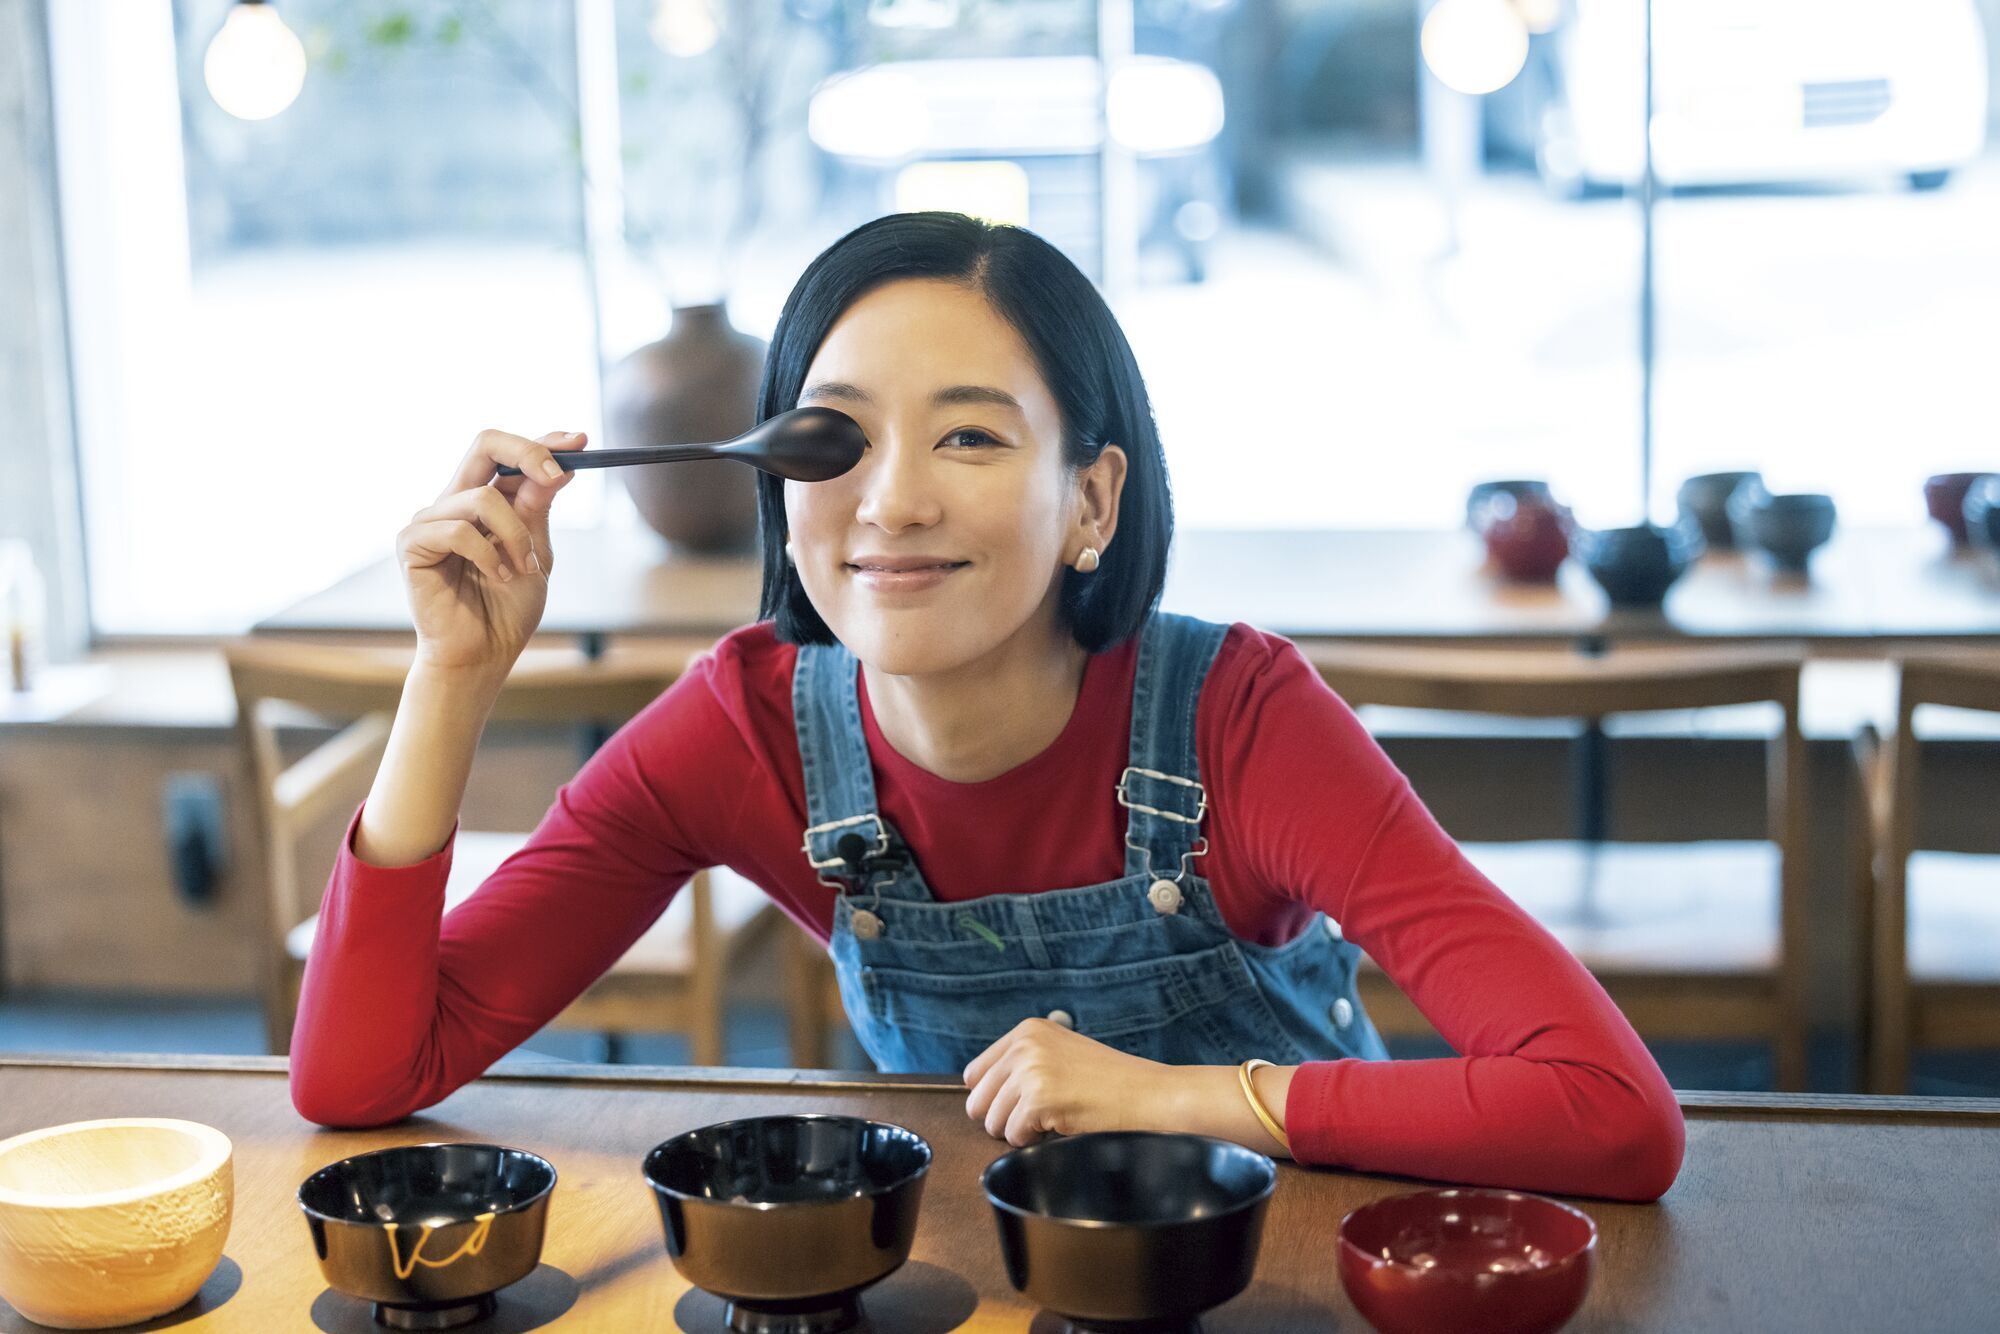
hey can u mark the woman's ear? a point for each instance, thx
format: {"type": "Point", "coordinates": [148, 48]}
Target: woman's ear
{"type": "Point", "coordinates": [1101, 485]}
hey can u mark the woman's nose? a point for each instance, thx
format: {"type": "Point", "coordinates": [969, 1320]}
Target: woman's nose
{"type": "Point", "coordinates": [896, 490]}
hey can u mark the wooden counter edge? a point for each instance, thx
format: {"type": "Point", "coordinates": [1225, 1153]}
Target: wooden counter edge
{"type": "Point", "coordinates": [746, 1079]}
{"type": "Point", "coordinates": [718, 1078]}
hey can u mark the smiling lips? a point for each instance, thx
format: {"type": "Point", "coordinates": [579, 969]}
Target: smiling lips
{"type": "Point", "coordinates": [889, 574]}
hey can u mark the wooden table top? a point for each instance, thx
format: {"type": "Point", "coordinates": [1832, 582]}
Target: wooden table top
{"type": "Point", "coordinates": [1868, 585]}
{"type": "Point", "coordinates": [1792, 1212]}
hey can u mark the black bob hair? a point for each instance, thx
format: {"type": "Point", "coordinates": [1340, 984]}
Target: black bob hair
{"type": "Point", "coordinates": [1081, 353]}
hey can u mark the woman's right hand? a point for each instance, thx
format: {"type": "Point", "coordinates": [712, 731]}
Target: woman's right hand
{"type": "Point", "coordinates": [476, 562]}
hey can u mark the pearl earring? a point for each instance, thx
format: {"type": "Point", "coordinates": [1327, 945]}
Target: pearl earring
{"type": "Point", "coordinates": [791, 556]}
{"type": "Point", "coordinates": [1086, 560]}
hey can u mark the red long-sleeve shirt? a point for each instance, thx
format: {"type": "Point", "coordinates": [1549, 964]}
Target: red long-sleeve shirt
{"type": "Point", "coordinates": [1553, 1091]}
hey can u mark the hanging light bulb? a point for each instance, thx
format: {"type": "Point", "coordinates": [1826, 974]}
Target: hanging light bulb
{"type": "Point", "coordinates": [255, 66]}
{"type": "Point", "coordinates": [684, 27]}
{"type": "Point", "coordinates": [1540, 15]}
{"type": "Point", "coordinates": [1474, 46]}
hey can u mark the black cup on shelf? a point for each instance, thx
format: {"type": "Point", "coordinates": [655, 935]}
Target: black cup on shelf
{"type": "Point", "coordinates": [1788, 527]}
{"type": "Point", "coordinates": [1636, 566]}
{"type": "Point", "coordinates": [1130, 1231]}
{"type": "Point", "coordinates": [789, 1218]}
{"type": "Point", "coordinates": [1982, 513]}
{"type": "Point", "coordinates": [429, 1232]}
{"type": "Point", "coordinates": [1705, 499]}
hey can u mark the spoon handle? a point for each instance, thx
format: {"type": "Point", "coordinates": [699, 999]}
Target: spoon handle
{"type": "Point", "coordinates": [570, 460]}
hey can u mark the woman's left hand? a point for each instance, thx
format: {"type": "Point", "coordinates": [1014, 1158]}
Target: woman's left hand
{"type": "Point", "coordinates": [1042, 1078]}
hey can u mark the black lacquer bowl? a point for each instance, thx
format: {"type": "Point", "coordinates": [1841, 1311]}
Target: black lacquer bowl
{"type": "Point", "coordinates": [1982, 512]}
{"type": "Point", "coordinates": [1636, 566]}
{"type": "Point", "coordinates": [788, 1218]}
{"type": "Point", "coordinates": [1130, 1230]}
{"type": "Point", "coordinates": [1705, 500]}
{"type": "Point", "coordinates": [1788, 527]}
{"type": "Point", "coordinates": [429, 1232]}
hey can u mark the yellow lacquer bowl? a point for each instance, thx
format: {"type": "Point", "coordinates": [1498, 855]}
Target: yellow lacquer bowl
{"type": "Point", "coordinates": [113, 1222]}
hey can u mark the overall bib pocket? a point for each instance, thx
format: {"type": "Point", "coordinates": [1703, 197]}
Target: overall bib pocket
{"type": "Point", "coordinates": [1180, 1010]}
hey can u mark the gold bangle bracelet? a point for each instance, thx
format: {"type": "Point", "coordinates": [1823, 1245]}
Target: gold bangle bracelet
{"type": "Point", "coordinates": [1243, 1073]}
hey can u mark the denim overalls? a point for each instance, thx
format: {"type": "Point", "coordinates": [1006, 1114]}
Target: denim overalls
{"type": "Point", "coordinates": [1143, 963]}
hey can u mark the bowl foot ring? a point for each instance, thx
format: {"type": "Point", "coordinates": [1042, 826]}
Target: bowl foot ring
{"type": "Point", "coordinates": [841, 1313]}
{"type": "Point", "coordinates": [435, 1315]}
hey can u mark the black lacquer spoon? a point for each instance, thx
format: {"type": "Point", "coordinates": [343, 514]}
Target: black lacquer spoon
{"type": "Point", "coordinates": [805, 445]}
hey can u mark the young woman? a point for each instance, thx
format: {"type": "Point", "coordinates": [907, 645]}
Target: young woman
{"type": "Point", "coordinates": [1089, 855]}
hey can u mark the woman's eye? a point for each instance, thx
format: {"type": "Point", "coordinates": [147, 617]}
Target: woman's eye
{"type": "Point", "coordinates": [970, 439]}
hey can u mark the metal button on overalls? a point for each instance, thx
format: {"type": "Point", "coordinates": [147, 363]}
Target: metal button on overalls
{"type": "Point", "coordinates": [867, 926]}
{"type": "Point", "coordinates": [1062, 1019]}
{"type": "Point", "coordinates": [1165, 896]}
{"type": "Point", "coordinates": [1332, 929]}
{"type": "Point", "coordinates": [1343, 1012]}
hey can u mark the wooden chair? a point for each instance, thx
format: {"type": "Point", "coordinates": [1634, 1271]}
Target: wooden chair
{"type": "Point", "coordinates": [671, 980]}
{"type": "Point", "coordinates": [1932, 930]}
{"type": "Point", "coordinates": [1727, 958]}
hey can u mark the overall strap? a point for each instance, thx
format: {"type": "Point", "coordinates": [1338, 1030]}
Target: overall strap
{"type": "Point", "coordinates": [1161, 787]}
{"type": "Point", "coordinates": [840, 777]}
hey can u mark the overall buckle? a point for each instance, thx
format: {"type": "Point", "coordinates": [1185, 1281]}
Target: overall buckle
{"type": "Point", "coordinates": [1125, 797]}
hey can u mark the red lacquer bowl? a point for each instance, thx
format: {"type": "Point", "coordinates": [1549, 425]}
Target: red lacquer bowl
{"type": "Point", "coordinates": [1528, 539]}
{"type": "Point", "coordinates": [1492, 1260]}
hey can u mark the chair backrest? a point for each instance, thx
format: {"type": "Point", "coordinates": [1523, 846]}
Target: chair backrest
{"type": "Point", "coordinates": [1557, 683]}
{"type": "Point", "coordinates": [1968, 679]}
{"type": "Point", "coordinates": [361, 686]}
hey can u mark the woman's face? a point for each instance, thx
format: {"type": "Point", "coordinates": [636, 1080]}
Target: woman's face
{"type": "Point", "coordinates": [951, 534]}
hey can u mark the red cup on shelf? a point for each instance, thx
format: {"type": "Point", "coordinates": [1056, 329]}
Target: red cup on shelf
{"type": "Point", "coordinates": [1498, 1261]}
{"type": "Point", "coordinates": [1527, 538]}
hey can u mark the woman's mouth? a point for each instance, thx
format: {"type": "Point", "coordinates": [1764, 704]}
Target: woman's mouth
{"type": "Point", "coordinates": [903, 576]}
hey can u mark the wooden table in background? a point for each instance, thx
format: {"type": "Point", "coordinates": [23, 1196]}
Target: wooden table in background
{"type": "Point", "coordinates": [1869, 586]}
{"type": "Point", "coordinates": [1792, 1213]}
